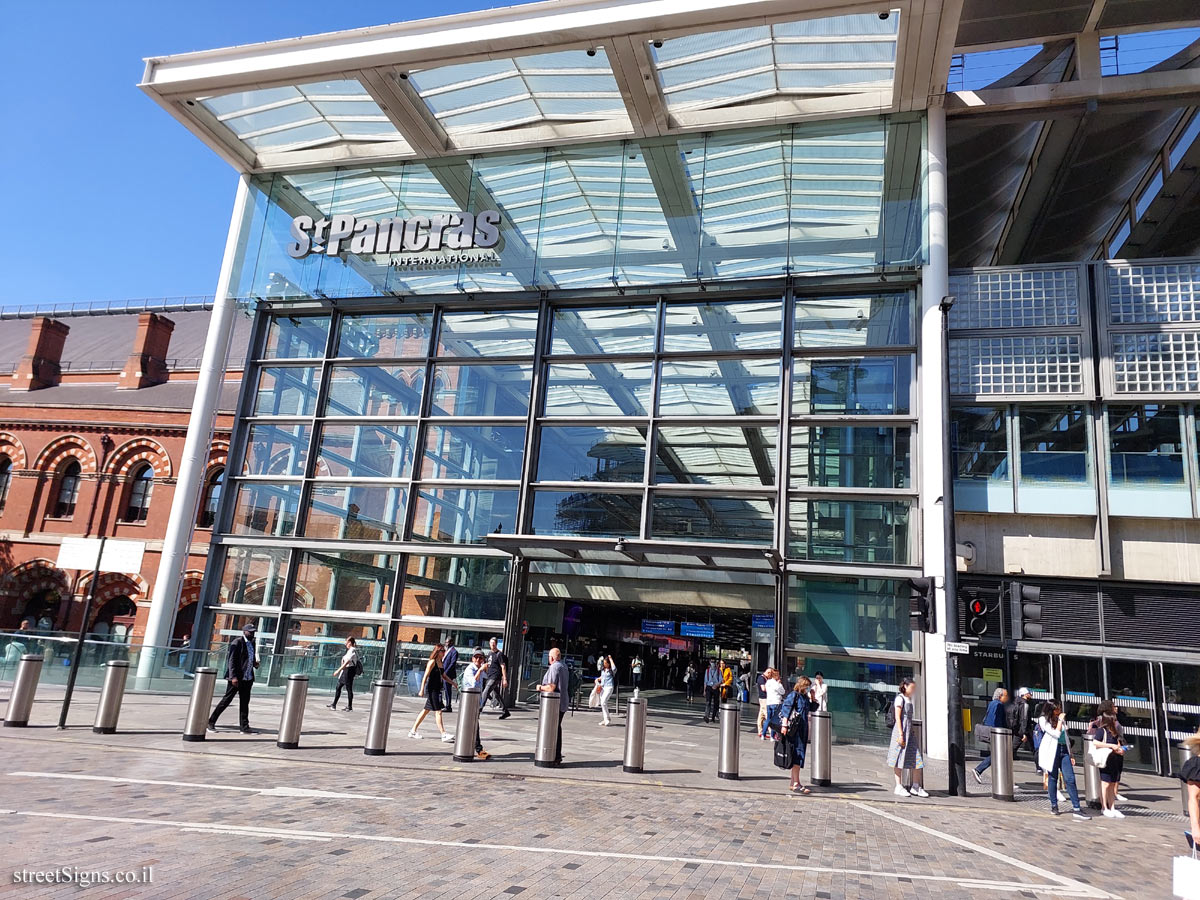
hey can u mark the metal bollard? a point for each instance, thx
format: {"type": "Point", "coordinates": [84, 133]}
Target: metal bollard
{"type": "Point", "coordinates": [635, 735]}
{"type": "Point", "coordinates": [820, 747]}
{"type": "Point", "coordinates": [545, 752]}
{"type": "Point", "coordinates": [196, 721]}
{"type": "Point", "coordinates": [293, 712]}
{"type": "Point", "coordinates": [20, 702]}
{"type": "Point", "coordinates": [727, 748]}
{"type": "Point", "coordinates": [1091, 778]}
{"type": "Point", "coordinates": [111, 695]}
{"type": "Point", "coordinates": [914, 736]}
{"type": "Point", "coordinates": [1185, 753]}
{"type": "Point", "coordinates": [380, 719]}
{"type": "Point", "coordinates": [468, 724]}
{"type": "Point", "coordinates": [1002, 764]}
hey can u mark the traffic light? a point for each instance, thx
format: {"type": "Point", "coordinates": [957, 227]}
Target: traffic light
{"type": "Point", "coordinates": [1025, 602]}
{"type": "Point", "coordinates": [977, 622]}
{"type": "Point", "coordinates": [922, 605]}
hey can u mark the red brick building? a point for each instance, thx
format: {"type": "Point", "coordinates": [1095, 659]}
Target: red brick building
{"type": "Point", "coordinates": [93, 414]}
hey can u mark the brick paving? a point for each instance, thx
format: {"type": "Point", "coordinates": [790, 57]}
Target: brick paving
{"type": "Point", "coordinates": [237, 817]}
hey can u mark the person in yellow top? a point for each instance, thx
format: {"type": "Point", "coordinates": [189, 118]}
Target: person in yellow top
{"type": "Point", "coordinates": [726, 681]}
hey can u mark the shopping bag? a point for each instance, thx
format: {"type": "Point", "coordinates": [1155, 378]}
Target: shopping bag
{"type": "Point", "coordinates": [1187, 877]}
{"type": "Point", "coordinates": [784, 753]}
{"type": "Point", "coordinates": [594, 698]}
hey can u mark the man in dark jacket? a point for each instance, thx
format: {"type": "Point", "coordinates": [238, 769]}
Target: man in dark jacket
{"type": "Point", "coordinates": [994, 718]}
{"type": "Point", "coordinates": [450, 667]}
{"type": "Point", "coordinates": [1020, 720]}
{"type": "Point", "coordinates": [240, 664]}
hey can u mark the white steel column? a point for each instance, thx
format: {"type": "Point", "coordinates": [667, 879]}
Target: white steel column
{"type": "Point", "coordinates": [935, 284]}
{"type": "Point", "coordinates": [177, 541]}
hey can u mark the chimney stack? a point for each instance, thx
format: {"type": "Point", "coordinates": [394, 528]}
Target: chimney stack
{"type": "Point", "coordinates": [147, 364]}
{"type": "Point", "coordinates": [41, 366]}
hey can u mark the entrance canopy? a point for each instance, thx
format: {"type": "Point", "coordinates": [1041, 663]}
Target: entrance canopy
{"type": "Point", "coordinates": [653, 554]}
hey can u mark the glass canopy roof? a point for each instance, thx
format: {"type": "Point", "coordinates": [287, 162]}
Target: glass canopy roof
{"type": "Point", "coordinates": [303, 116]}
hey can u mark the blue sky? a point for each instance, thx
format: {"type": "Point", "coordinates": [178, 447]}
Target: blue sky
{"type": "Point", "coordinates": [108, 197]}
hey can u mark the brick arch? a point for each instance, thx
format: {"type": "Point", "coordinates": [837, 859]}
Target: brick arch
{"type": "Point", "coordinates": [59, 449]}
{"type": "Point", "coordinates": [129, 454]}
{"type": "Point", "coordinates": [218, 454]}
{"type": "Point", "coordinates": [32, 576]}
{"type": "Point", "coordinates": [113, 584]}
{"type": "Point", "coordinates": [189, 592]}
{"type": "Point", "coordinates": [11, 446]}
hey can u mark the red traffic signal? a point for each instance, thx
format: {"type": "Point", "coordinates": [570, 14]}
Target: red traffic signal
{"type": "Point", "coordinates": [978, 607]}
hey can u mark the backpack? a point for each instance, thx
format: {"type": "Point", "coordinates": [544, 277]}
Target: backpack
{"type": "Point", "coordinates": [358, 665]}
{"type": "Point", "coordinates": [890, 718]}
{"type": "Point", "coordinates": [1037, 736]}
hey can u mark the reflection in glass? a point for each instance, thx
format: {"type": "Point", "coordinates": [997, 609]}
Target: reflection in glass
{"type": "Point", "coordinates": [277, 449]}
{"type": "Point", "coordinates": [481, 452]}
{"type": "Point", "coordinates": [723, 326]}
{"type": "Point", "coordinates": [872, 320]}
{"type": "Point", "coordinates": [346, 581]}
{"type": "Point", "coordinates": [598, 389]}
{"type": "Point", "coordinates": [719, 387]}
{"type": "Point", "coordinates": [879, 385]}
{"type": "Point", "coordinates": [591, 453]}
{"type": "Point", "coordinates": [980, 438]}
{"type": "Point", "coordinates": [862, 613]}
{"type": "Point", "coordinates": [315, 647]}
{"type": "Point", "coordinates": [463, 515]}
{"type": "Point", "coordinates": [1054, 444]}
{"type": "Point", "coordinates": [710, 454]}
{"type": "Point", "coordinates": [485, 334]}
{"type": "Point", "coordinates": [266, 508]}
{"type": "Point", "coordinates": [609, 329]}
{"type": "Point", "coordinates": [1146, 444]}
{"type": "Point", "coordinates": [397, 335]}
{"type": "Point", "coordinates": [704, 517]}
{"type": "Point", "coordinates": [375, 390]}
{"type": "Point", "coordinates": [287, 391]}
{"type": "Point", "coordinates": [864, 531]}
{"type": "Point", "coordinates": [481, 390]}
{"type": "Point", "coordinates": [586, 514]}
{"type": "Point", "coordinates": [866, 456]}
{"type": "Point", "coordinates": [455, 587]}
{"type": "Point", "coordinates": [365, 451]}
{"type": "Point", "coordinates": [296, 337]}
{"type": "Point", "coordinates": [253, 575]}
{"type": "Point", "coordinates": [356, 512]}
{"type": "Point", "coordinates": [860, 694]}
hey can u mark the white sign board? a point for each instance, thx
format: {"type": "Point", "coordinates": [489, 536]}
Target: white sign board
{"type": "Point", "coordinates": [956, 647]}
{"type": "Point", "coordinates": [119, 556]}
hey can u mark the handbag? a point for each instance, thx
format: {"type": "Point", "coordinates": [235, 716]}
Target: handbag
{"type": "Point", "coordinates": [983, 733]}
{"type": "Point", "coordinates": [784, 753]}
{"type": "Point", "coordinates": [594, 697]}
{"type": "Point", "coordinates": [1099, 755]}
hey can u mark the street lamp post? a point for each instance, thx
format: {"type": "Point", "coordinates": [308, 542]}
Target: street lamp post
{"type": "Point", "coordinates": [106, 445]}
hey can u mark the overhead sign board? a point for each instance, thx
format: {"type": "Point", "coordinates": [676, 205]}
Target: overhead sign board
{"type": "Point", "coordinates": [762, 620]}
{"type": "Point", "coordinates": [119, 556]}
{"type": "Point", "coordinates": [658, 626]}
{"type": "Point", "coordinates": [696, 629]}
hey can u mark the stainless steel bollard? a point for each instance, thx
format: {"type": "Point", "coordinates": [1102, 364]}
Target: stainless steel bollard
{"type": "Point", "coordinates": [293, 712]}
{"type": "Point", "coordinates": [380, 720]}
{"type": "Point", "coordinates": [111, 694]}
{"type": "Point", "coordinates": [1002, 764]}
{"type": "Point", "coordinates": [468, 724]}
{"type": "Point", "coordinates": [196, 722]}
{"type": "Point", "coordinates": [727, 748]}
{"type": "Point", "coordinates": [635, 735]}
{"type": "Point", "coordinates": [20, 702]}
{"type": "Point", "coordinates": [915, 736]}
{"type": "Point", "coordinates": [546, 750]}
{"type": "Point", "coordinates": [1185, 753]}
{"type": "Point", "coordinates": [1091, 778]}
{"type": "Point", "coordinates": [820, 748]}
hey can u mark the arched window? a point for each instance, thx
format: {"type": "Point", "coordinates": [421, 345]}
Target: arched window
{"type": "Point", "coordinates": [5, 479]}
{"type": "Point", "coordinates": [211, 499]}
{"type": "Point", "coordinates": [68, 491]}
{"type": "Point", "coordinates": [141, 485]}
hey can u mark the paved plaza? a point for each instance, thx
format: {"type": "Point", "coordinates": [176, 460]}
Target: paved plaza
{"type": "Point", "coordinates": [235, 816]}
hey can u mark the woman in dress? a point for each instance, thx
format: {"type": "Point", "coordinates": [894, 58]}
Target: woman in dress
{"type": "Point", "coordinates": [793, 726]}
{"type": "Point", "coordinates": [1054, 757]}
{"type": "Point", "coordinates": [345, 675]}
{"type": "Point", "coordinates": [606, 681]}
{"type": "Point", "coordinates": [1190, 775]}
{"type": "Point", "coordinates": [903, 752]}
{"type": "Point", "coordinates": [1106, 735]}
{"type": "Point", "coordinates": [432, 688]}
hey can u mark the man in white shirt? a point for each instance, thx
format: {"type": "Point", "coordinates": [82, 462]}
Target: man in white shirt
{"type": "Point", "coordinates": [473, 677]}
{"type": "Point", "coordinates": [820, 693]}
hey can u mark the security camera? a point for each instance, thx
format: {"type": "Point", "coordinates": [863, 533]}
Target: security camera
{"type": "Point", "coordinates": [657, 45]}
{"type": "Point", "coordinates": [884, 14]}
{"type": "Point", "coordinates": [591, 51]}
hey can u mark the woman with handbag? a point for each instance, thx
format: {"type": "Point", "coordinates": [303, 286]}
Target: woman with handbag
{"type": "Point", "coordinates": [1054, 756]}
{"type": "Point", "coordinates": [604, 685]}
{"type": "Point", "coordinates": [1108, 753]}
{"type": "Point", "coordinates": [1189, 774]}
{"type": "Point", "coordinates": [793, 726]}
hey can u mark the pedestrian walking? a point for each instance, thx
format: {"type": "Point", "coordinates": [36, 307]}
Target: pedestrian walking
{"type": "Point", "coordinates": [635, 669]}
{"type": "Point", "coordinates": [432, 687]}
{"type": "Point", "coordinates": [240, 663]}
{"type": "Point", "coordinates": [726, 681]}
{"type": "Point", "coordinates": [497, 678]}
{"type": "Point", "coordinates": [995, 717]}
{"type": "Point", "coordinates": [689, 683]}
{"type": "Point", "coordinates": [712, 690]}
{"type": "Point", "coordinates": [1020, 720]}
{"type": "Point", "coordinates": [450, 667]}
{"type": "Point", "coordinates": [776, 692]}
{"type": "Point", "coordinates": [473, 677]}
{"type": "Point", "coordinates": [606, 682]}
{"type": "Point", "coordinates": [793, 726]}
{"type": "Point", "coordinates": [820, 693]}
{"type": "Point", "coordinates": [903, 752]}
{"type": "Point", "coordinates": [1054, 757]}
{"type": "Point", "coordinates": [1189, 774]}
{"type": "Point", "coordinates": [1108, 753]}
{"type": "Point", "coordinates": [350, 668]}
{"type": "Point", "coordinates": [760, 724]}
{"type": "Point", "coordinates": [557, 679]}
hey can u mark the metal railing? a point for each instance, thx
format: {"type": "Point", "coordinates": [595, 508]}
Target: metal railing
{"type": "Point", "coordinates": [106, 307]}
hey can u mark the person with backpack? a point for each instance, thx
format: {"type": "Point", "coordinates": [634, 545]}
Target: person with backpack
{"type": "Point", "coordinates": [793, 728]}
{"type": "Point", "coordinates": [712, 690]}
{"type": "Point", "coordinates": [345, 674]}
{"type": "Point", "coordinates": [1054, 756]}
{"type": "Point", "coordinates": [903, 752]}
